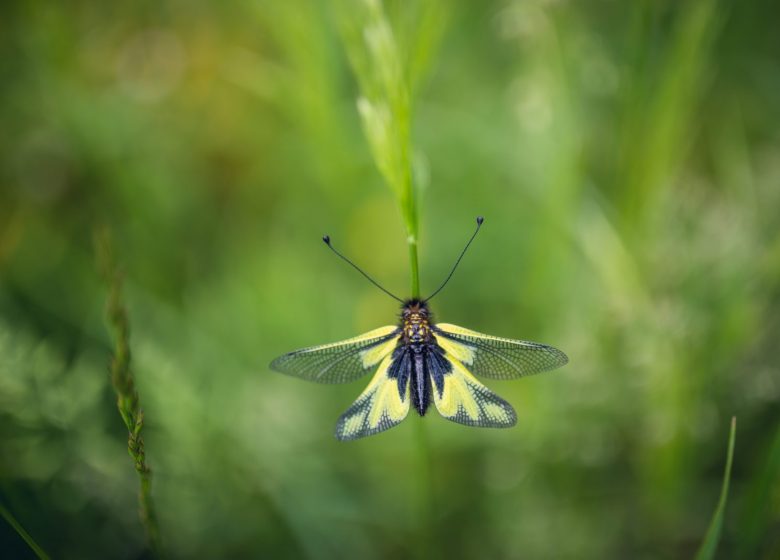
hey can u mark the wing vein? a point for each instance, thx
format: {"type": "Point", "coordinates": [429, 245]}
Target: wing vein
{"type": "Point", "coordinates": [339, 362]}
{"type": "Point", "coordinates": [501, 358]}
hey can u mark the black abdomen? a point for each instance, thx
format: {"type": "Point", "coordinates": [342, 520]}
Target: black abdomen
{"type": "Point", "coordinates": [421, 367]}
{"type": "Point", "coordinates": [420, 389]}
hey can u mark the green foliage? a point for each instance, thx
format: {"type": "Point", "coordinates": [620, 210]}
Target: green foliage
{"type": "Point", "coordinates": [625, 156]}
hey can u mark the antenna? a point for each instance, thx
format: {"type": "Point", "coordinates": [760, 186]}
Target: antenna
{"type": "Point", "coordinates": [480, 219]}
{"type": "Point", "coordinates": [326, 239]}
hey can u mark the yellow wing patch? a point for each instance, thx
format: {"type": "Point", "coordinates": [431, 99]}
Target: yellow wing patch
{"type": "Point", "coordinates": [366, 336]}
{"type": "Point", "coordinates": [378, 408]}
{"type": "Point", "coordinates": [495, 357]}
{"type": "Point", "coordinates": [461, 352]}
{"type": "Point", "coordinates": [339, 362]}
{"type": "Point", "coordinates": [371, 356]}
{"type": "Point", "coordinates": [467, 401]}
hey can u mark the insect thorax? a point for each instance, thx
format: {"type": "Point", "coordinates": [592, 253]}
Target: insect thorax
{"type": "Point", "coordinates": [415, 322]}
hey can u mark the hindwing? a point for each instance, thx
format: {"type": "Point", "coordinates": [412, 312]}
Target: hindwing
{"type": "Point", "coordinates": [382, 405]}
{"type": "Point", "coordinates": [460, 398]}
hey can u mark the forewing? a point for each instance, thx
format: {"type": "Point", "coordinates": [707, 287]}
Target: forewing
{"type": "Point", "coordinates": [494, 357]}
{"type": "Point", "coordinates": [339, 362]}
{"type": "Point", "coordinates": [380, 407]}
{"type": "Point", "coordinates": [460, 398]}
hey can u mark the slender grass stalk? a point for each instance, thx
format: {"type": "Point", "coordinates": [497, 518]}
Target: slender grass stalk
{"type": "Point", "coordinates": [123, 381]}
{"type": "Point", "coordinates": [409, 209]}
{"type": "Point", "coordinates": [408, 202]}
{"type": "Point", "coordinates": [386, 72]}
{"type": "Point", "coordinates": [22, 533]}
{"type": "Point", "coordinates": [711, 539]}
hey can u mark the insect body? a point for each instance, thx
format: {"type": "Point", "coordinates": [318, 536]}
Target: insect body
{"type": "Point", "coordinates": [418, 363]}
{"type": "Point", "coordinates": [416, 358]}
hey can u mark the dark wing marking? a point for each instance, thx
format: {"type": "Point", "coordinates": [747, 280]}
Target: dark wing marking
{"type": "Point", "coordinates": [465, 400]}
{"type": "Point", "coordinates": [494, 357]}
{"type": "Point", "coordinates": [339, 362]}
{"type": "Point", "coordinates": [380, 407]}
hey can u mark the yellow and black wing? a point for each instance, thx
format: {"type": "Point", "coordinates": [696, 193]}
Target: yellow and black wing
{"type": "Point", "coordinates": [339, 362]}
{"type": "Point", "coordinates": [381, 406]}
{"type": "Point", "coordinates": [494, 357]}
{"type": "Point", "coordinates": [459, 397]}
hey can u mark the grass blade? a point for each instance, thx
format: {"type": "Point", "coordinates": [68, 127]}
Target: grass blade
{"type": "Point", "coordinates": [710, 544]}
{"type": "Point", "coordinates": [22, 533]}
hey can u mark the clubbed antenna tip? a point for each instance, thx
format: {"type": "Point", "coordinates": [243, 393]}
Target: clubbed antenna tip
{"type": "Point", "coordinates": [480, 219]}
{"type": "Point", "coordinates": [326, 239]}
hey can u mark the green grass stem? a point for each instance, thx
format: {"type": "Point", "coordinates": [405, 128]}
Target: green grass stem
{"type": "Point", "coordinates": [380, 65]}
{"type": "Point", "coordinates": [382, 68]}
{"type": "Point", "coordinates": [711, 539]}
{"type": "Point", "coordinates": [22, 533]}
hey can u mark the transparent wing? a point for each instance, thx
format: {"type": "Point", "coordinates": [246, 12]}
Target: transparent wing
{"type": "Point", "coordinates": [380, 407]}
{"type": "Point", "coordinates": [497, 358]}
{"type": "Point", "coordinates": [339, 362]}
{"type": "Point", "coordinates": [460, 398]}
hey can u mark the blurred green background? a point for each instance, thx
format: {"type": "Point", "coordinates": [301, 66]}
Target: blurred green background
{"type": "Point", "coordinates": [626, 156]}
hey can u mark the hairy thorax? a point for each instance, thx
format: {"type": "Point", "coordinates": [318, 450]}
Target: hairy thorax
{"type": "Point", "coordinates": [415, 323]}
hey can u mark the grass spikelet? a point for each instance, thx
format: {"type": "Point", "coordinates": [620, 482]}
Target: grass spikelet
{"type": "Point", "coordinates": [128, 401]}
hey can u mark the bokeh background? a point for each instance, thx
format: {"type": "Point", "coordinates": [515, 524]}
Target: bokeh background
{"type": "Point", "coordinates": [626, 156]}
